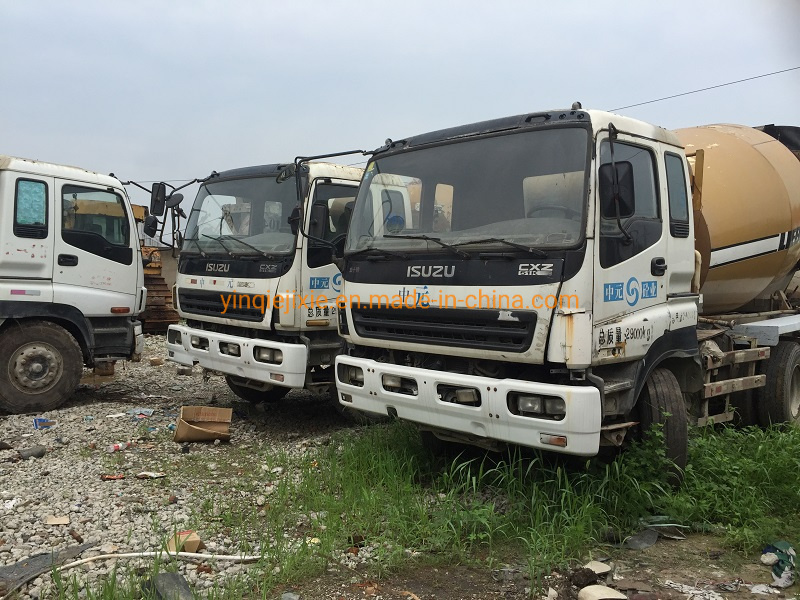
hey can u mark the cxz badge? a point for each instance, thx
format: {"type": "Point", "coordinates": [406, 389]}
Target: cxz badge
{"type": "Point", "coordinates": [541, 269]}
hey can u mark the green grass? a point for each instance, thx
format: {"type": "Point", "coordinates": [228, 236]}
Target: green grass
{"type": "Point", "coordinates": [379, 483]}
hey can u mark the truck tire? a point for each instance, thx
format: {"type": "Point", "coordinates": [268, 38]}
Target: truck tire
{"type": "Point", "coordinates": [40, 367]}
{"type": "Point", "coordinates": [779, 399]}
{"type": "Point", "coordinates": [661, 403]}
{"type": "Point", "coordinates": [255, 396]}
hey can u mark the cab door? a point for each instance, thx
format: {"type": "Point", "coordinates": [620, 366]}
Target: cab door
{"type": "Point", "coordinates": [329, 219]}
{"type": "Point", "coordinates": [631, 259]}
{"type": "Point", "coordinates": [96, 261]}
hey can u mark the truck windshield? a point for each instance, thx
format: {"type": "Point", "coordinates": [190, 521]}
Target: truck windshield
{"type": "Point", "coordinates": [242, 216]}
{"type": "Point", "coordinates": [528, 188]}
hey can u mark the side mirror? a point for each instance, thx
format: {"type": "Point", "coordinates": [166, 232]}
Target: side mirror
{"type": "Point", "coordinates": [174, 200]}
{"type": "Point", "coordinates": [626, 198]}
{"type": "Point", "coordinates": [286, 173]}
{"type": "Point", "coordinates": [157, 195]}
{"type": "Point", "coordinates": [294, 219]}
{"type": "Point", "coordinates": [319, 218]}
{"type": "Point", "coordinates": [150, 227]}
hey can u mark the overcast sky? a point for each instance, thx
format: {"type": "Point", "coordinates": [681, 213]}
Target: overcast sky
{"type": "Point", "coordinates": [173, 90]}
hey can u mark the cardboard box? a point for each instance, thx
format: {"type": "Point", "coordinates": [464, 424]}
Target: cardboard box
{"type": "Point", "coordinates": [203, 424]}
{"type": "Point", "coordinates": [185, 541]}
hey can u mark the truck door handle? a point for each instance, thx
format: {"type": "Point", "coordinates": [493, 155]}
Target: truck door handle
{"type": "Point", "coordinates": [658, 266]}
{"type": "Point", "coordinates": [67, 260]}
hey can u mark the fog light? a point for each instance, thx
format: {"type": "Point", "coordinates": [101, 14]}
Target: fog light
{"type": "Point", "coordinates": [276, 377]}
{"type": "Point", "coordinates": [529, 404]}
{"type": "Point", "coordinates": [350, 375]}
{"type": "Point", "coordinates": [268, 355]}
{"type": "Point", "coordinates": [198, 342]}
{"type": "Point", "coordinates": [458, 395]}
{"type": "Point", "coordinates": [399, 385]}
{"type": "Point", "coordinates": [356, 375]}
{"type": "Point", "coordinates": [229, 349]}
{"type": "Point", "coordinates": [555, 407]}
{"type": "Point", "coordinates": [174, 336]}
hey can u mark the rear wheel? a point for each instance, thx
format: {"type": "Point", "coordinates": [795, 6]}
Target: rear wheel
{"type": "Point", "coordinates": [271, 394]}
{"type": "Point", "coordinates": [661, 403]}
{"type": "Point", "coordinates": [779, 399]}
{"type": "Point", "coordinates": [40, 367]}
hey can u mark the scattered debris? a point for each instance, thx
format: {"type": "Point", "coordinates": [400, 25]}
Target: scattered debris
{"type": "Point", "coordinates": [119, 447]}
{"type": "Point", "coordinates": [141, 413]}
{"type": "Point", "coordinates": [600, 592]}
{"type": "Point", "coordinates": [6, 446]}
{"type": "Point", "coordinates": [156, 361]}
{"type": "Point", "coordinates": [583, 577]}
{"type": "Point", "coordinates": [116, 477]}
{"type": "Point", "coordinates": [763, 589]}
{"type": "Point", "coordinates": [598, 567]}
{"type": "Point", "coordinates": [783, 567]}
{"type": "Point", "coordinates": [167, 586]}
{"type": "Point", "coordinates": [203, 424]}
{"type": "Point", "coordinates": [695, 593]}
{"type": "Point", "coordinates": [53, 520]}
{"type": "Point", "coordinates": [640, 541]}
{"type": "Point", "coordinates": [39, 423]}
{"type": "Point", "coordinates": [34, 452]}
{"type": "Point", "coordinates": [150, 475]}
{"type": "Point", "coordinates": [185, 541]}
{"type": "Point", "coordinates": [203, 568]}
{"type": "Point", "coordinates": [76, 536]}
{"type": "Point", "coordinates": [184, 371]}
{"type": "Point", "coordinates": [13, 577]}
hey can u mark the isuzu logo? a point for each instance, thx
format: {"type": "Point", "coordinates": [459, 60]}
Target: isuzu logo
{"type": "Point", "coordinates": [431, 271]}
{"type": "Point", "coordinates": [536, 269]}
{"type": "Point", "coordinates": [218, 267]}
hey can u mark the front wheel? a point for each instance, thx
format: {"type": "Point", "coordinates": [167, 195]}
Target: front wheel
{"type": "Point", "coordinates": [40, 367]}
{"type": "Point", "coordinates": [661, 403]}
{"type": "Point", "coordinates": [271, 394]}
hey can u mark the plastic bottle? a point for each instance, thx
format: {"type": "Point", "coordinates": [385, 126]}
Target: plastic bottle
{"type": "Point", "coordinates": [119, 447]}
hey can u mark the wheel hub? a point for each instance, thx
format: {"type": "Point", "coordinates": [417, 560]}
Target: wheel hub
{"type": "Point", "coordinates": [794, 391]}
{"type": "Point", "coordinates": [35, 368]}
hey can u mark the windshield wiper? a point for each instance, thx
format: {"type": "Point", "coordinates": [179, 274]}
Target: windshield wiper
{"type": "Point", "coordinates": [428, 238]}
{"type": "Point", "coordinates": [235, 239]}
{"type": "Point", "coordinates": [196, 243]}
{"type": "Point", "coordinates": [531, 249]}
{"type": "Point", "coordinates": [379, 250]}
{"type": "Point", "coordinates": [221, 243]}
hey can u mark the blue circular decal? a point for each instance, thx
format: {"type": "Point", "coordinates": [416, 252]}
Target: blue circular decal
{"type": "Point", "coordinates": [632, 291]}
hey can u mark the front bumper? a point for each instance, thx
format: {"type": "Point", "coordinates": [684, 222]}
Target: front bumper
{"type": "Point", "coordinates": [492, 420]}
{"type": "Point", "coordinates": [291, 372]}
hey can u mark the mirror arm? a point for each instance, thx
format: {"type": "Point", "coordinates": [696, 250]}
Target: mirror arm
{"type": "Point", "coordinates": [612, 135]}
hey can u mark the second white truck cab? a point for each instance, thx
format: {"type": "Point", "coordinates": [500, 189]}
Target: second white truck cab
{"type": "Point", "coordinates": [259, 296]}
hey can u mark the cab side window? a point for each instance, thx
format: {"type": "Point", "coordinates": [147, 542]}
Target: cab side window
{"type": "Point", "coordinates": [95, 220]}
{"type": "Point", "coordinates": [30, 209]}
{"type": "Point", "coordinates": [630, 220]}
{"type": "Point", "coordinates": [331, 210]}
{"type": "Point", "coordinates": [678, 198]}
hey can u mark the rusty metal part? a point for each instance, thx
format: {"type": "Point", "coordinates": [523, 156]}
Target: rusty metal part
{"type": "Point", "coordinates": [159, 313]}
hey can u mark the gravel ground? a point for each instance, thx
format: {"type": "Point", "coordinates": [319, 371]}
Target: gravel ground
{"type": "Point", "coordinates": [133, 514]}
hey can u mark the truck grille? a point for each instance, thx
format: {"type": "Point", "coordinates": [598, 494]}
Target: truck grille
{"type": "Point", "coordinates": [210, 303]}
{"type": "Point", "coordinates": [448, 327]}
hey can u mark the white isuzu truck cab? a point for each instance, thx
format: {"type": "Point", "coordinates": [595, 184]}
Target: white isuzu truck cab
{"type": "Point", "coordinates": [546, 290]}
{"type": "Point", "coordinates": [256, 281]}
{"type": "Point", "coordinates": [71, 280]}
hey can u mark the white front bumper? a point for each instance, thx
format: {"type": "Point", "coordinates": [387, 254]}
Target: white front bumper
{"type": "Point", "coordinates": [491, 420]}
{"type": "Point", "coordinates": [291, 372]}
